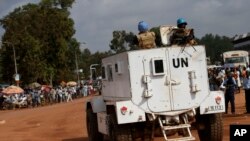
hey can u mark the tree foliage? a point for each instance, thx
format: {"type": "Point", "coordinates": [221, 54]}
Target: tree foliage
{"type": "Point", "coordinates": [41, 35]}
{"type": "Point", "coordinates": [122, 41]}
{"type": "Point", "coordinates": [156, 30]}
{"type": "Point", "coordinates": [216, 45]}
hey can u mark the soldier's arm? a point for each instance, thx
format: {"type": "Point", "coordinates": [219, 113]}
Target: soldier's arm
{"type": "Point", "coordinates": [179, 33]}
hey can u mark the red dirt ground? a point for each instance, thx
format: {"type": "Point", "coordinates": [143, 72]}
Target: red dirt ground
{"type": "Point", "coordinates": [66, 122]}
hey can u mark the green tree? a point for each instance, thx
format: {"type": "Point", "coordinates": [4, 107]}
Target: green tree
{"type": "Point", "coordinates": [86, 59]}
{"type": "Point", "coordinates": [122, 41]}
{"type": "Point", "coordinates": [42, 37]}
{"type": "Point", "coordinates": [216, 45]}
{"type": "Point", "coordinates": [117, 44]}
{"type": "Point", "coordinates": [156, 30]}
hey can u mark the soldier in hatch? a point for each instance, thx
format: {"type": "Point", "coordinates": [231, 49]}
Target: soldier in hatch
{"type": "Point", "coordinates": [182, 35]}
{"type": "Point", "coordinates": [145, 39]}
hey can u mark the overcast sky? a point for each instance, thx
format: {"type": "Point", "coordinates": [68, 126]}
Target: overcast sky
{"type": "Point", "coordinates": [95, 20]}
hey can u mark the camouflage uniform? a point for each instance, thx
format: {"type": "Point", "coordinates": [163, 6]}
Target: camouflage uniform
{"type": "Point", "coordinates": [146, 40]}
{"type": "Point", "coordinates": [182, 36]}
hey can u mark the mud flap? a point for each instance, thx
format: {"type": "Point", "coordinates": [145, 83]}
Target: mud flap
{"type": "Point", "coordinates": [128, 112]}
{"type": "Point", "coordinates": [214, 103]}
{"type": "Point", "coordinates": [97, 104]}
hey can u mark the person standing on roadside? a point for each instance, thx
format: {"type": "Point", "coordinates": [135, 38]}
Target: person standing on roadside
{"type": "Point", "coordinates": [90, 88]}
{"type": "Point", "coordinates": [69, 92]}
{"type": "Point", "coordinates": [246, 87]}
{"type": "Point", "coordinates": [237, 78]}
{"type": "Point", "coordinates": [85, 89]}
{"type": "Point", "coordinates": [230, 85]}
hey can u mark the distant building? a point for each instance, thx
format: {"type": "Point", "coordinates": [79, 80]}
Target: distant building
{"type": "Point", "coordinates": [242, 42]}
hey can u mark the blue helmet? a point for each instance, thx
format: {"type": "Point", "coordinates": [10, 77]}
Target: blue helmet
{"type": "Point", "coordinates": [142, 26]}
{"type": "Point", "coordinates": [181, 21]}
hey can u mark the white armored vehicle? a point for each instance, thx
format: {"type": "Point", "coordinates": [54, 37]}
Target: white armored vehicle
{"type": "Point", "coordinates": [156, 92]}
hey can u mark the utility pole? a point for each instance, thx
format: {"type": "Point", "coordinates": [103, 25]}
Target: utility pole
{"type": "Point", "coordinates": [77, 69]}
{"type": "Point", "coordinates": [77, 66]}
{"type": "Point", "coordinates": [16, 75]}
{"type": "Point", "coordinates": [14, 52]}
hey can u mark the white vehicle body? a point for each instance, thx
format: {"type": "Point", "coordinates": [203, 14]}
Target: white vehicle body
{"type": "Point", "coordinates": [235, 58]}
{"type": "Point", "coordinates": [180, 76]}
{"type": "Point", "coordinates": [165, 84]}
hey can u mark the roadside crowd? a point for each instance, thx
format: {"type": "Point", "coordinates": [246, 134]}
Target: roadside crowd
{"type": "Point", "coordinates": [40, 96]}
{"type": "Point", "coordinates": [231, 81]}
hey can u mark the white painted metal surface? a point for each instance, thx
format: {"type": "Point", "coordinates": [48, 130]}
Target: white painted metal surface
{"type": "Point", "coordinates": [166, 32]}
{"type": "Point", "coordinates": [214, 103]}
{"type": "Point", "coordinates": [127, 112]}
{"type": "Point", "coordinates": [158, 80]}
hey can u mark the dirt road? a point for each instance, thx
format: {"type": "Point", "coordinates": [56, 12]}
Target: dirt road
{"type": "Point", "coordinates": [66, 122]}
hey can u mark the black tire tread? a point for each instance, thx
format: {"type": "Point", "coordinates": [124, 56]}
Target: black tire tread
{"type": "Point", "coordinates": [92, 126]}
{"type": "Point", "coordinates": [213, 127]}
{"type": "Point", "coordinates": [119, 132]}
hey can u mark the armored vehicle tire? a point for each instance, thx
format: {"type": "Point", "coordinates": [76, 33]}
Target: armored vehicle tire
{"type": "Point", "coordinates": [92, 127]}
{"type": "Point", "coordinates": [119, 132]}
{"type": "Point", "coordinates": [147, 133]}
{"type": "Point", "coordinates": [213, 127]}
